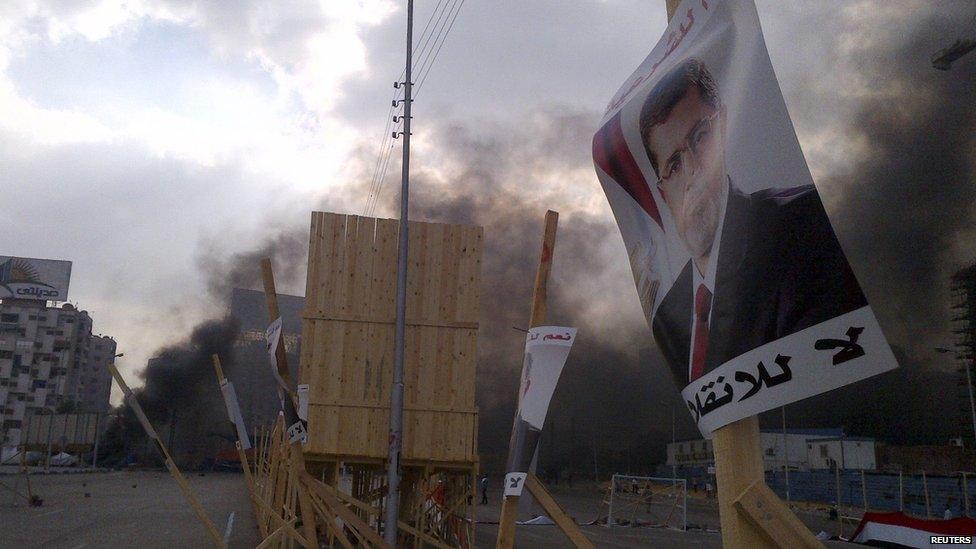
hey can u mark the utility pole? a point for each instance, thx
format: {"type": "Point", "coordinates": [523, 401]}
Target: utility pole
{"type": "Point", "coordinates": [396, 393]}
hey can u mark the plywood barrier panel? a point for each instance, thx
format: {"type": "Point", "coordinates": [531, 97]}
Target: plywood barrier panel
{"type": "Point", "coordinates": [348, 336]}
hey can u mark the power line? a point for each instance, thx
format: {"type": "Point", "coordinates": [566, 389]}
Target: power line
{"type": "Point", "coordinates": [430, 45]}
{"type": "Point", "coordinates": [451, 26]}
{"type": "Point", "coordinates": [371, 208]}
{"type": "Point", "coordinates": [387, 138]}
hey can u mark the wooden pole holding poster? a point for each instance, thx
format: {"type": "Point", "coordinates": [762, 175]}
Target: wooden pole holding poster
{"type": "Point", "coordinates": [751, 514]}
{"type": "Point", "coordinates": [298, 464]}
{"type": "Point", "coordinates": [510, 503]}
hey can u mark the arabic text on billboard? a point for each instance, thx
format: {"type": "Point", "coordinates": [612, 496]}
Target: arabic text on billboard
{"type": "Point", "coordinates": [28, 278]}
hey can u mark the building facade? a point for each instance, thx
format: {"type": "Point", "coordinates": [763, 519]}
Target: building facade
{"type": "Point", "coordinates": [49, 362]}
{"type": "Point", "coordinates": [797, 449]}
{"type": "Point", "coordinates": [254, 383]}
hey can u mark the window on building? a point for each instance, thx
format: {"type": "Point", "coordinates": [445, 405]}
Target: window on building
{"type": "Point", "coordinates": [9, 317]}
{"type": "Point", "coordinates": [6, 354]}
{"type": "Point", "coordinates": [823, 450]}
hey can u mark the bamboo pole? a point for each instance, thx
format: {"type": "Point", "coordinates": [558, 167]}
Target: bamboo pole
{"type": "Point", "coordinates": [840, 522]}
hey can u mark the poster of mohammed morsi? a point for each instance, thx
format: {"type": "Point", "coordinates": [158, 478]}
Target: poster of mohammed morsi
{"type": "Point", "coordinates": [744, 285]}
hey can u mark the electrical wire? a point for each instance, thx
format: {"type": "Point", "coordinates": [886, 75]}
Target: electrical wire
{"type": "Point", "coordinates": [430, 46]}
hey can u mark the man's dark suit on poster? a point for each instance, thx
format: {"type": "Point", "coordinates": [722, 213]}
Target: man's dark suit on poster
{"type": "Point", "coordinates": [780, 269]}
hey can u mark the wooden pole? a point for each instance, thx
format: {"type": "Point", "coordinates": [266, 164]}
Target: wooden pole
{"type": "Point", "coordinates": [564, 521]}
{"type": "Point", "coordinates": [750, 513]}
{"type": "Point", "coordinates": [537, 316]}
{"type": "Point", "coordinates": [248, 479]}
{"type": "Point", "coordinates": [170, 464]}
{"type": "Point", "coordinates": [298, 461]}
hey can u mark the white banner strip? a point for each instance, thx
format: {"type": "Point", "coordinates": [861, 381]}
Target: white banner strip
{"type": "Point", "coordinates": [826, 356]}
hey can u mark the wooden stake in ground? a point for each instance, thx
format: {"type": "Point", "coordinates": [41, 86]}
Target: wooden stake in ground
{"type": "Point", "coordinates": [752, 516]}
{"type": "Point", "coordinates": [510, 503]}
{"type": "Point", "coordinates": [305, 505]}
{"type": "Point", "coordinates": [240, 452]}
{"type": "Point", "coordinates": [173, 469]}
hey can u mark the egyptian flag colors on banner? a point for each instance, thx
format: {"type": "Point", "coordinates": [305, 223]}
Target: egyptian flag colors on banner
{"type": "Point", "coordinates": [901, 530]}
{"type": "Point", "coordinates": [743, 283]}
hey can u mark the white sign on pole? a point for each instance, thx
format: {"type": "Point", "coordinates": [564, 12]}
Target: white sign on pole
{"type": "Point", "coordinates": [546, 351]}
{"type": "Point", "coordinates": [234, 413]}
{"type": "Point", "coordinates": [273, 336]}
{"type": "Point", "coordinates": [303, 401]}
{"type": "Point", "coordinates": [514, 483]}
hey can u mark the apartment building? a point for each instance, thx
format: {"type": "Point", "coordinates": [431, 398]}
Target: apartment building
{"type": "Point", "coordinates": [49, 361]}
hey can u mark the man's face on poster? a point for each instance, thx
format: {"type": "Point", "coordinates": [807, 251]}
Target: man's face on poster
{"type": "Point", "coordinates": [690, 151]}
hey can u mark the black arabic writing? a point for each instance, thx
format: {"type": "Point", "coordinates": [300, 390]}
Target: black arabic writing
{"type": "Point", "coordinates": [763, 379]}
{"type": "Point", "coordinates": [849, 350]}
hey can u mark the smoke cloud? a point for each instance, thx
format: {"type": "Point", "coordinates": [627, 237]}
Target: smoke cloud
{"type": "Point", "coordinates": [903, 208]}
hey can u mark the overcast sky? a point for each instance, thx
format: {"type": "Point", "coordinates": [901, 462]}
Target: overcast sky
{"type": "Point", "coordinates": [141, 139]}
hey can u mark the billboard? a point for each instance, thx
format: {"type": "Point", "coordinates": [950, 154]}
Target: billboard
{"type": "Point", "coordinates": [65, 432]}
{"type": "Point", "coordinates": [28, 278]}
{"type": "Point", "coordinates": [742, 281]}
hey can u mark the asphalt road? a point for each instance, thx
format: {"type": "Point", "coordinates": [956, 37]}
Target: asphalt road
{"type": "Point", "coordinates": [147, 509]}
{"type": "Point", "coordinates": [123, 509]}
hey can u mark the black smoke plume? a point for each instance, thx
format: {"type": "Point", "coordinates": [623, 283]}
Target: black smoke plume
{"type": "Point", "coordinates": [902, 208]}
{"type": "Point", "coordinates": [906, 215]}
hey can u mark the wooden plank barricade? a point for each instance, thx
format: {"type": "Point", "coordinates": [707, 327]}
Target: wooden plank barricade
{"type": "Point", "coordinates": [347, 361]}
{"type": "Point", "coordinates": [347, 349]}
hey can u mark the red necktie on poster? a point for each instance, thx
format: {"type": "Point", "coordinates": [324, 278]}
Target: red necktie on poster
{"type": "Point", "coordinates": [703, 306]}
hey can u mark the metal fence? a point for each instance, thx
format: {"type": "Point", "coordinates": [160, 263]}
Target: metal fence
{"type": "Point", "coordinates": [917, 494]}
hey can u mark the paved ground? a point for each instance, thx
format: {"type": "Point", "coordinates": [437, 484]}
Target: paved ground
{"type": "Point", "coordinates": [125, 509]}
{"type": "Point", "coordinates": [586, 503]}
{"type": "Point", "coordinates": [146, 509]}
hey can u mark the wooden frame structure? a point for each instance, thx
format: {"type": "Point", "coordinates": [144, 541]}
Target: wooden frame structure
{"type": "Point", "coordinates": [301, 490]}
{"type": "Point", "coordinates": [348, 325]}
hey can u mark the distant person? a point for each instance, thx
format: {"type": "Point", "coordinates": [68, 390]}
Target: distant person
{"type": "Point", "coordinates": [948, 513]}
{"type": "Point", "coordinates": [484, 490]}
{"type": "Point", "coordinates": [709, 490]}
